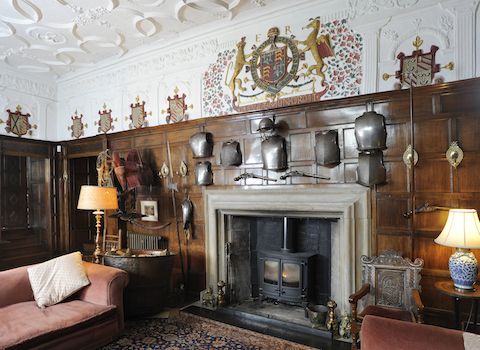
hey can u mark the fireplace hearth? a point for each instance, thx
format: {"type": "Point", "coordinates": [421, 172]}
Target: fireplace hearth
{"type": "Point", "coordinates": [232, 252]}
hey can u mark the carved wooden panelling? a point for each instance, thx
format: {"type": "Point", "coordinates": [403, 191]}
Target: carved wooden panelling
{"type": "Point", "coordinates": [14, 190]}
{"type": "Point", "coordinates": [468, 130]}
{"type": "Point", "coordinates": [465, 101]}
{"type": "Point", "coordinates": [442, 113]}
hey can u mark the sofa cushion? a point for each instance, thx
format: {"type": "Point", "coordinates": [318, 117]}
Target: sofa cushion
{"type": "Point", "coordinates": [57, 279]}
{"type": "Point", "coordinates": [378, 333]}
{"type": "Point", "coordinates": [22, 322]}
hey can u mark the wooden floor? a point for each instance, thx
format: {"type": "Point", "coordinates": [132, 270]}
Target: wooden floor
{"type": "Point", "coordinates": [301, 335]}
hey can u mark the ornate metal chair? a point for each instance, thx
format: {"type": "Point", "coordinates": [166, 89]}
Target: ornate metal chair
{"type": "Point", "coordinates": [391, 289]}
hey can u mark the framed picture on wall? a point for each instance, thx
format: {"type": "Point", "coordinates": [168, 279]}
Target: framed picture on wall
{"type": "Point", "coordinates": [150, 209]}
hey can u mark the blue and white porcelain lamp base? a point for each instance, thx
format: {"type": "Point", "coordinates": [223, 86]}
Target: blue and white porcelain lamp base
{"type": "Point", "coordinates": [463, 269]}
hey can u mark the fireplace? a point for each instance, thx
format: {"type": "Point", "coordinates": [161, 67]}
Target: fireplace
{"type": "Point", "coordinates": [344, 208]}
{"type": "Point", "coordinates": [285, 275]}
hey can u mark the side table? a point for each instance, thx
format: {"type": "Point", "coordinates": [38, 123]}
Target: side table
{"type": "Point", "coordinates": [446, 287]}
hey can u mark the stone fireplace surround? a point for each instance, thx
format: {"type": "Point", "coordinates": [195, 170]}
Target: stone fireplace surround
{"type": "Point", "coordinates": [351, 232]}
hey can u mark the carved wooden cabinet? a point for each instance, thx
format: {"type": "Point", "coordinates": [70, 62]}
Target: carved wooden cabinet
{"type": "Point", "coordinates": [26, 202]}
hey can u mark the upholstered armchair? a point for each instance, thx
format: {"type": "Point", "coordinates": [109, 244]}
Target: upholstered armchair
{"type": "Point", "coordinates": [391, 289]}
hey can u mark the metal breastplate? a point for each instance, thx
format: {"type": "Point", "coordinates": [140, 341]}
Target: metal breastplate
{"type": "Point", "coordinates": [371, 170]}
{"type": "Point", "coordinates": [370, 132]}
{"type": "Point", "coordinates": [274, 153]}
{"type": "Point", "coordinates": [187, 213]}
{"type": "Point", "coordinates": [201, 144]}
{"type": "Point", "coordinates": [326, 148]}
{"type": "Point", "coordinates": [230, 154]}
{"type": "Point", "coordinates": [203, 174]}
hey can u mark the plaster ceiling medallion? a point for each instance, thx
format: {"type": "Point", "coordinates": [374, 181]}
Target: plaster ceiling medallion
{"type": "Point", "coordinates": [61, 36]}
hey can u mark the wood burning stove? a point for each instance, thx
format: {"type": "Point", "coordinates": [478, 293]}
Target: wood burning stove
{"type": "Point", "coordinates": [286, 275]}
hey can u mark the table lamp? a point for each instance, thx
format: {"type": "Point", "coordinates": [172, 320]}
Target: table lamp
{"type": "Point", "coordinates": [93, 198]}
{"type": "Point", "coordinates": [461, 231]}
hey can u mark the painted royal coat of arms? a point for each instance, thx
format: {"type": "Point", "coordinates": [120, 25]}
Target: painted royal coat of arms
{"type": "Point", "coordinates": [77, 127]}
{"type": "Point", "coordinates": [138, 115]}
{"type": "Point", "coordinates": [177, 108]}
{"type": "Point", "coordinates": [17, 122]}
{"type": "Point", "coordinates": [419, 68]}
{"type": "Point", "coordinates": [105, 121]}
{"type": "Point", "coordinates": [275, 70]}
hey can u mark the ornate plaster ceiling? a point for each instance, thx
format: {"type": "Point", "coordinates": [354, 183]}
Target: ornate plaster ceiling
{"type": "Point", "coordinates": [59, 36]}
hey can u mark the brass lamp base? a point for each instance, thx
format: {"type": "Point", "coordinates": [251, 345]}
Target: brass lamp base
{"type": "Point", "coordinates": [98, 253]}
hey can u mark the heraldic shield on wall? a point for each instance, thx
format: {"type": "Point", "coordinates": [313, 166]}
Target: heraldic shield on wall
{"type": "Point", "coordinates": [77, 127]}
{"type": "Point", "coordinates": [419, 68]}
{"type": "Point", "coordinates": [17, 122]}
{"type": "Point", "coordinates": [138, 116]}
{"type": "Point", "coordinates": [177, 108]}
{"type": "Point", "coordinates": [261, 79]}
{"type": "Point", "coordinates": [105, 121]}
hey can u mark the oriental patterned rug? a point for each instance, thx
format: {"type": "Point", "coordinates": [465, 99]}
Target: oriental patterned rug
{"type": "Point", "coordinates": [185, 331]}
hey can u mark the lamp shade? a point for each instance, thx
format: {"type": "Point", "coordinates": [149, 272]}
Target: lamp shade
{"type": "Point", "coordinates": [96, 197]}
{"type": "Point", "coordinates": [462, 229]}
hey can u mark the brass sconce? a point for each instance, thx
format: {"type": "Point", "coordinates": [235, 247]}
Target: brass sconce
{"type": "Point", "coordinates": [407, 157]}
{"type": "Point", "coordinates": [454, 154]}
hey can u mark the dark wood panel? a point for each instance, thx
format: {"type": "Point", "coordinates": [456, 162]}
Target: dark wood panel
{"type": "Point", "coordinates": [349, 143]}
{"type": "Point", "coordinates": [400, 243]}
{"type": "Point", "coordinates": [397, 139]}
{"type": "Point", "coordinates": [467, 173]}
{"type": "Point", "coordinates": [87, 147]}
{"type": "Point", "coordinates": [433, 176]}
{"type": "Point", "coordinates": [424, 130]}
{"type": "Point", "coordinates": [468, 129]}
{"type": "Point", "coordinates": [301, 147]}
{"type": "Point", "coordinates": [442, 113]}
{"type": "Point", "coordinates": [25, 148]}
{"type": "Point", "coordinates": [464, 101]}
{"type": "Point", "coordinates": [389, 209]}
{"type": "Point", "coordinates": [334, 116]}
{"type": "Point", "coordinates": [397, 177]}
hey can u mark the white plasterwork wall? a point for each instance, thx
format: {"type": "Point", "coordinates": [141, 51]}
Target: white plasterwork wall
{"type": "Point", "coordinates": [35, 96]}
{"type": "Point", "coordinates": [152, 73]}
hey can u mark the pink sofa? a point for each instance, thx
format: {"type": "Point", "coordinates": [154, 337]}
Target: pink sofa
{"type": "Point", "coordinates": [379, 333]}
{"type": "Point", "coordinates": [90, 318]}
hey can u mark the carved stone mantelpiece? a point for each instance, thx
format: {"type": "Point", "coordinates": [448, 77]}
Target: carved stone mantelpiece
{"type": "Point", "coordinates": [348, 204]}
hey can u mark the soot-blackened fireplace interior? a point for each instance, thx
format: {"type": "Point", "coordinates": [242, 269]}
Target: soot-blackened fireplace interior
{"type": "Point", "coordinates": [289, 259]}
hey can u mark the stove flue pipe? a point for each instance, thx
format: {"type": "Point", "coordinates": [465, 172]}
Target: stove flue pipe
{"type": "Point", "coordinates": [288, 245]}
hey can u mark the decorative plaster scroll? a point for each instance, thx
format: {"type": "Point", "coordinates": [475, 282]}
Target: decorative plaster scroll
{"type": "Point", "coordinates": [28, 86]}
{"type": "Point", "coordinates": [363, 7]}
{"type": "Point", "coordinates": [217, 8]}
{"type": "Point", "coordinates": [165, 60]}
{"type": "Point", "coordinates": [441, 36]}
{"type": "Point", "coordinates": [86, 17]}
